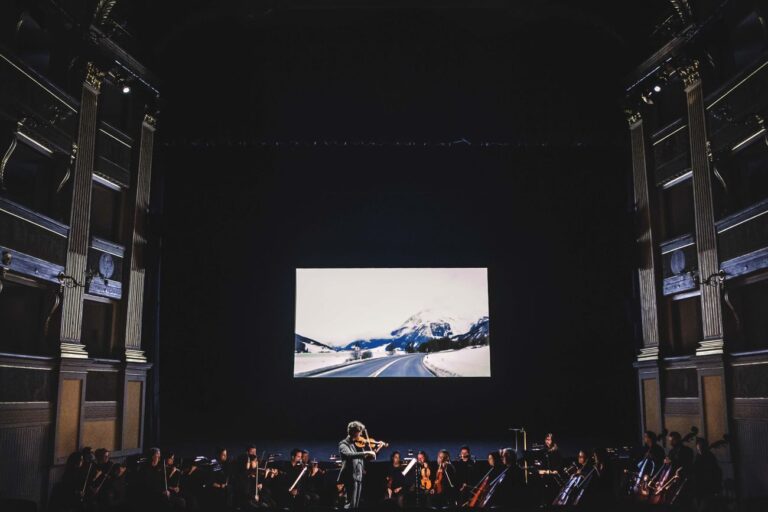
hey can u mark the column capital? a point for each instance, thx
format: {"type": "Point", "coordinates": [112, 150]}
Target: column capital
{"type": "Point", "coordinates": [94, 76]}
{"type": "Point", "coordinates": [690, 73]}
{"type": "Point", "coordinates": [633, 117]}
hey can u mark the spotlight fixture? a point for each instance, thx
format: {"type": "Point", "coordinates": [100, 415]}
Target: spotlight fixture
{"type": "Point", "coordinates": [657, 88]}
{"type": "Point", "coordinates": [126, 89]}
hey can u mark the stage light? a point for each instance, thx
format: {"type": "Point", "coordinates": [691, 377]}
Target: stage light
{"type": "Point", "coordinates": [657, 88]}
{"type": "Point", "coordinates": [126, 89]}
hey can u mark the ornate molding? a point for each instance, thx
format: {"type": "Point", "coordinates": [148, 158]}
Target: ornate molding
{"type": "Point", "coordinates": [690, 73]}
{"type": "Point", "coordinates": [73, 350]}
{"type": "Point", "coordinates": [94, 76]}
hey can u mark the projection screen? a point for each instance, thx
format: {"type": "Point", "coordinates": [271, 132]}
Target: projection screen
{"type": "Point", "coordinates": [392, 322]}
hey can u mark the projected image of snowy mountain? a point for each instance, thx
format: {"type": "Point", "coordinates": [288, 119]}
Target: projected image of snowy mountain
{"type": "Point", "coordinates": [413, 322]}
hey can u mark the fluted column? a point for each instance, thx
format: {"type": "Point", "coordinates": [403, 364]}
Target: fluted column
{"type": "Point", "coordinates": [647, 365]}
{"type": "Point", "coordinates": [139, 199]}
{"type": "Point", "coordinates": [80, 216]}
{"type": "Point", "coordinates": [647, 272]}
{"type": "Point", "coordinates": [706, 235]}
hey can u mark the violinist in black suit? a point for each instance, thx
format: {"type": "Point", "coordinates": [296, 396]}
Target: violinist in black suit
{"type": "Point", "coordinates": [351, 474]}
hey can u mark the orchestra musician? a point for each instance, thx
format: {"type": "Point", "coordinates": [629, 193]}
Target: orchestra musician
{"type": "Point", "coordinates": [502, 492]}
{"type": "Point", "coordinates": [444, 489]}
{"type": "Point", "coordinates": [351, 474]}
{"type": "Point", "coordinates": [465, 472]}
{"type": "Point", "coordinates": [173, 482]}
{"type": "Point", "coordinates": [152, 481]}
{"type": "Point", "coordinates": [552, 464]}
{"type": "Point", "coordinates": [66, 495]}
{"type": "Point", "coordinates": [679, 456]}
{"type": "Point", "coordinates": [219, 481]}
{"type": "Point", "coordinates": [707, 478]}
{"type": "Point", "coordinates": [653, 451]}
{"type": "Point", "coordinates": [250, 491]}
{"type": "Point", "coordinates": [296, 479]}
{"type": "Point", "coordinates": [315, 480]}
{"type": "Point", "coordinates": [396, 481]}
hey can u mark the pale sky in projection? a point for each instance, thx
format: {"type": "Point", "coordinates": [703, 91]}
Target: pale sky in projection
{"type": "Point", "coordinates": [337, 306]}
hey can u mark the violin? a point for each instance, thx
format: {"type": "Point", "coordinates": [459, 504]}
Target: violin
{"type": "Point", "coordinates": [424, 479]}
{"type": "Point", "coordinates": [439, 480]}
{"type": "Point", "coordinates": [370, 443]}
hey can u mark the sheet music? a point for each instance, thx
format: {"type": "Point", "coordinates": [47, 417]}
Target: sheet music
{"type": "Point", "coordinates": [409, 466]}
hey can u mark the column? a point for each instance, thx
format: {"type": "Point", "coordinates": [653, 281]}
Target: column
{"type": "Point", "coordinates": [139, 201]}
{"type": "Point", "coordinates": [79, 223]}
{"type": "Point", "coordinates": [647, 360]}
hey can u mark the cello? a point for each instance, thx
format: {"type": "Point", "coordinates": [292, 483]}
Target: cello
{"type": "Point", "coordinates": [480, 492]}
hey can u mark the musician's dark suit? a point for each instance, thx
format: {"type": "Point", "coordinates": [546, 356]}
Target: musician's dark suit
{"type": "Point", "coordinates": [351, 474]}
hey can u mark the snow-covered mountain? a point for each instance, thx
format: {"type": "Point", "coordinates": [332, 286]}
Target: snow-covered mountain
{"type": "Point", "coordinates": [304, 344]}
{"type": "Point", "coordinates": [423, 326]}
{"type": "Point", "coordinates": [476, 332]}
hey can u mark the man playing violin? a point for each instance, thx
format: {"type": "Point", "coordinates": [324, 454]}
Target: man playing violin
{"type": "Point", "coordinates": [353, 456]}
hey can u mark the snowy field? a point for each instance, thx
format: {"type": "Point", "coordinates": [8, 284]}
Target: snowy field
{"type": "Point", "coordinates": [307, 362]}
{"type": "Point", "coordinates": [467, 362]}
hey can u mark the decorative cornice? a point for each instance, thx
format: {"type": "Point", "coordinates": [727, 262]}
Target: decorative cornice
{"type": "Point", "coordinates": [73, 350]}
{"type": "Point", "coordinates": [94, 76]}
{"type": "Point", "coordinates": [690, 73]}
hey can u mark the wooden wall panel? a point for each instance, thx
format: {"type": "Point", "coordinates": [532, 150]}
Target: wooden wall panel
{"type": "Point", "coordinates": [651, 405]}
{"type": "Point", "coordinates": [29, 444]}
{"type": "Point", "coordinates": [752, 439]}
{"type": "Point", "coordinates": [132, 427]}
{"type": "Point", "coordinates": [69, 417]}
{"type": "Point", "coordinates": [101, 434]}
{"type": "Point", "coordinates": [681, 424]}
{"type": "Point", "coordinates": [714, 407]}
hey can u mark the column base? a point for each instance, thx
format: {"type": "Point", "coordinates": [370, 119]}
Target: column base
{"type": "Point", "coordinates": [648, 353]}
{"type": "Point", "coordinates": [135, 356]}
{"type": "Point", "coordinates": [710, 347]}
{"type": "Point", "coordinates": [73, 350]}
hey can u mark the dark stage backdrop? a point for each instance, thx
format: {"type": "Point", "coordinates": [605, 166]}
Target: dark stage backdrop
{"type": "Point", "coordinates": [551, 224]}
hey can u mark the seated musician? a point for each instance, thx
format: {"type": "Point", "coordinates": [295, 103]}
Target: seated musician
{"type": "Point", "coordinates": [173, 482]}
{"type": "Point", "coordinates": [113, 494]}
{"type": "Point", "coordinates": [396, 481]}
{"type": "Point", "coordinates": [679, 456]}
{"type": "Point", "coordinates": [465, 472]}
{"type": "Point", "coordinates": [315, 480]}
{"type": "Point", "coordinates": [153, 492]}
{"type": "Point", "coordinates": [444, 488]}
{"type": "Point", "coordinates": [219, 481]}
{"type": "Point", "coordinates": [707, 477]}
{"type": "Point", "coordinates": [295, 481]}
{"type": "Point", "coordinates": [502, 492]}
{"type": "Point", "coordinates": [250, 491]}
{"type": "Point", "coordinates": [653, 451]}
{"type": "Point", "coordinates": [66, 495]}
{"type": "Point", "coordinates": [552, 464]}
